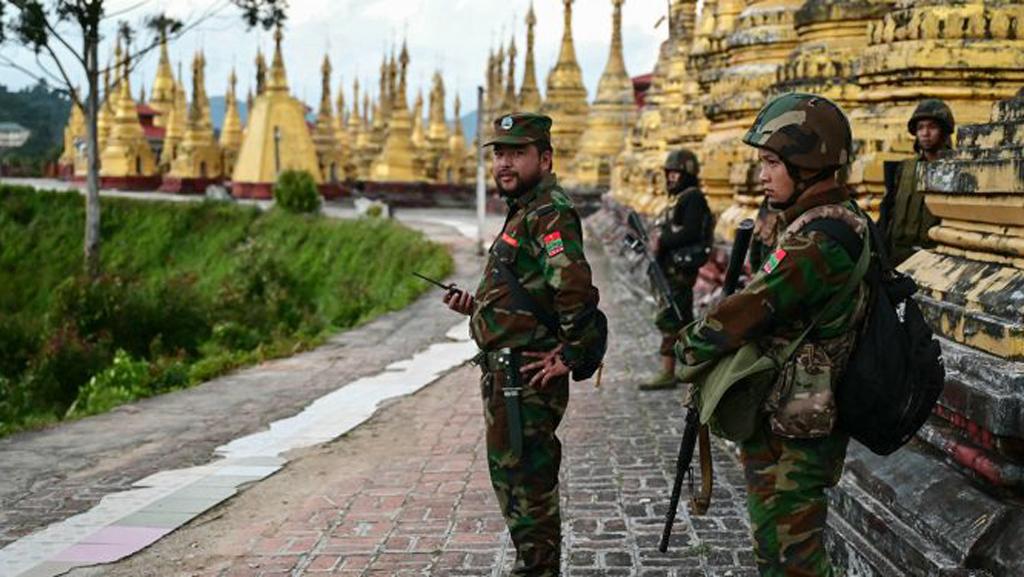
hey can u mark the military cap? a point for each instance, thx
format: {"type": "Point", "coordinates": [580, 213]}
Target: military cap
{"type": "Point", "coordinates": [521, 128]}
{"type": "Point", "coordinates": [805, 130]}
{"type": "Point", "coordinates": [683, 160]}
{"type": "Point", "coordinates": [933, 109]}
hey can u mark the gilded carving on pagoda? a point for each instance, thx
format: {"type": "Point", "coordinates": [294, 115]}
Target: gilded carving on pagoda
{"type": "Point", "coordinates": [126, 156]}
{"type": "Point", "coordinates": [566, 99]}
{"type": "Point", "coordinates": [231, 130]}
{"type": "Point", "coordinates": [199, 156]}
{"type": "Point", "coordinates": [174, 131]}
{"type": "Point", "coordinates": [611, 115]}
{"type": "Point", "coordinates": [398, 161]}
{"type": "Point", "coordinates": [325, 136]}
{"type": "Point", "coordinates": [969, 53]}
{"type": "Point", "coordinates": [161, 99]}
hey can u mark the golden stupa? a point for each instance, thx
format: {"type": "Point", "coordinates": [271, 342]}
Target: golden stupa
{"type": "Point", "coordinates": [127, 161]}
{"type": "Point", "coordinates": [529, 93]}
{"type": "Point", "coordinates": [174, 131]}
{"type": "Point", "coordinates": [325, 136]}
{"type": "Point", "coordinates": [397, 160]}
{"type": "Point", "coordinates": [161, 99]}
{"type": "Point", "coordinates": [74, 134]}
{"type": "Point", "coordinates": [437, 132]}
{"type": "Point", "coordinates": [457, 165]}
{"type": "Point", "coordinates": [231, 130]}
{"type": "Point", "coordinates": [365, 149]}
{"type": "Point", "coordinates": [341, 133]}
{"type": "Point", "coordinates": [198, 162]}
{"type": "Point", "coordinates": [276, 138]}
{"type": "Point", "coordinates": [566, 98]}
{"type": "Point", "coordinates": [611, 115]}
{"type": "Point", "coordinates": [509, 101]}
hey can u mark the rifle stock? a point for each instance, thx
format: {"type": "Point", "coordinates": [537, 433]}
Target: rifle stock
{"type": "Point", "coordinates": [694, 430]}
{"type": "Point", "coordinates": [639, 244]}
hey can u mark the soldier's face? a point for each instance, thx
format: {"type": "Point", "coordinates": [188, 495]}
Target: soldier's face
{"type": "Point", "coordinates": [517, 169]}
{"type": "Point", "coordinates": [672, 178]}
{"type": "Point", "coordinates": [775, 179]}
{"type": "Point", "coordinates": [930, 135]}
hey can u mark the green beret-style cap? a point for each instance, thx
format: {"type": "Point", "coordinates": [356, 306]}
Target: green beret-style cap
{"type": "Point", "coordinates": [520, 128]}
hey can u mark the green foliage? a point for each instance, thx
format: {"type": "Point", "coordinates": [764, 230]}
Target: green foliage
{"type": "Point", "coordinates": [191, 291]}
{"type": "Point", "coordinates": [295, 191]}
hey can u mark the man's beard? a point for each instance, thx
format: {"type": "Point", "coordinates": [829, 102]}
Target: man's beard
{"type": "Point", "coordinates": [523, 185]}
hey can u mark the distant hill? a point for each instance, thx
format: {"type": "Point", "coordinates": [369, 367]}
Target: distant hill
{"type": "Point", "coordinates": [44, 112]}
{"type": "Point", "coordinates": [469, 126]}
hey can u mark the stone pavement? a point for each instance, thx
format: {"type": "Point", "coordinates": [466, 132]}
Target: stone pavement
{"type": "Point", "coordinates": [407, 493]}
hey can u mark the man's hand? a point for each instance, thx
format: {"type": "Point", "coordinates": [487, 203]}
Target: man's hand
{"type": "Point", "coordinates": [460, 301]}
{"type": "Point", "coordinates": [549, 366]}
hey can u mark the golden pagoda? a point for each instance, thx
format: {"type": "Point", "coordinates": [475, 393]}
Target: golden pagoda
{"type": "Point", "coordinates": [174, 131]}
{"type": "Point", "coordinates": [358, 133]}
{"type": "Point", "coordinates": [397, 161]}
{"type": "Point", "coordinates": [365, 149]}
{"type": "Point", "coordinates": [761, 38]}
{"type": "Point", "coordinates": [105, 116]}
{"type": "Point", "coordinates": [198, 162]}
{"type": "Point", "coordinates": [74, 133]}
{"type": "Point", "coordinates": [455, 165]}
{"type": "Point", "coordinates": [127, 161]}
{"type": "Point", "coordinates": [529, 93]}
{"type": "Point", "coordinates": [437, 132]}
{"type": "Point", "coordinates": [325, 137]}
{"type": "Point", "coordinates": [611, 115]}
{"type": "Point", "coordinates": [566, 99]}
{"type": "Point", "coordinates": [419, 134]}
{"type": "Point", "coordinates": [341, 122]}
{"type": "Point", "coordinates": [276, 138]}
{"type": "Point", "coordinates": [261, 74]}
{"type": "Point", "coordinates": [231, 130]}
{"type": "Point", "coordinates": [161, 99]}
{"type": "Point", "coordinates": [509, 101]}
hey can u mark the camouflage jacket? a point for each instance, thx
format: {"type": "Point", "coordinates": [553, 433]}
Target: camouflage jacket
{"type": "Point", "coordinates": [800, 274]}
{"type": "Point", "coordinates": [907, 216]}
{"type": "Point", "coordinates": [542, 243]}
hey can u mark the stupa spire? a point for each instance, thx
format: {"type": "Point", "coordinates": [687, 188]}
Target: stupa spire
{"type": "Point", "coordinates": [529, 93]}
{"type": "Point", "coordinates": [278, 76]}
{"type": "Point", "coordinates": [510, 101]}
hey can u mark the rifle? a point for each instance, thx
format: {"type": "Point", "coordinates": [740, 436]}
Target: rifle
{"type": "Point", "coordinates": [693, 430]}
{"type": "Point", "coordinates": [636, 240]}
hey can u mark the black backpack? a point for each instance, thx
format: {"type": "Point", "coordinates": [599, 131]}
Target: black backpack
{"type": "Point", "coordinates": [895, 375]}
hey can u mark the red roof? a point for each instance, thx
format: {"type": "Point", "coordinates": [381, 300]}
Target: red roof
{"type": "Point", "coordinates": [153, 132]}
{"type": "Point", "coordinates": [146, 110]}
{"type": "Point", "coordinates": [641, 84]}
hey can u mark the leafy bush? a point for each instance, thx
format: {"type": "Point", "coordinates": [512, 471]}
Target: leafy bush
{"type": "Point", "coordinates": [124, 380]}
{"type": "Point", "coordinates": [296, 191]}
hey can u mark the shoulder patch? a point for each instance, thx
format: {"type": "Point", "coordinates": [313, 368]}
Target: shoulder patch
{"type": "Point", "coordinates": [774, 260]}
{"type": "Point", "coordinates": [553, 244]}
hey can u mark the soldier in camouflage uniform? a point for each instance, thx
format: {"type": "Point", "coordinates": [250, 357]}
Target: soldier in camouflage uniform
{"type": "Point", "coordinates": [683, 230]}
{"type": "Point", "coordinates": [905, 218]}
{"type": "Point", "coordinates": [525, 364]}
{"type": "Point", "coordinates": [796, 451]}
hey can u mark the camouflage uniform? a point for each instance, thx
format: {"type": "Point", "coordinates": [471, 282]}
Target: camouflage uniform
{"type": "Point", "coordinates": [542, 244]}
{"type": "Point", "coordinates": [905, 217]}
{"type": "Point", "coordinates": [796, 453]}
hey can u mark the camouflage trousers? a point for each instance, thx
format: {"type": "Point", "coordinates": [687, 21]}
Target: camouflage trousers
{"type": "Point", "coordinates": [666, 320]}
{"type": "Point", "coordinates": [786, 482]}
{"type": "Point", "coordinates": [527, 487]}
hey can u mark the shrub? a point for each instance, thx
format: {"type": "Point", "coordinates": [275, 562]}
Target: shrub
{"type": "Point", "coordinates": [123, 381]}
{"type": "Point", "coordinates": [295, 191]}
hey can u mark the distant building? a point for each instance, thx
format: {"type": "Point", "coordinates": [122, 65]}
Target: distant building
{"type": "Point", "coordinates": [13, 135]}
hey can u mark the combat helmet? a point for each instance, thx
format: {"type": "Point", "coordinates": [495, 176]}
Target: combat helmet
{"type": "Point", "coordinates": [933, 109]}
{"type": "Point", "coordinates": [806, 130]}
{"type": "Point", "coordinates": [683, 160]}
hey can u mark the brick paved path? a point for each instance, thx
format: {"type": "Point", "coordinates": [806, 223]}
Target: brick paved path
{"type": "Point", "coordinates": [408, 493]}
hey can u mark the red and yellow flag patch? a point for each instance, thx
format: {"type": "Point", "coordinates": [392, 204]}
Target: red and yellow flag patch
{"type": "Point", "coordinates": [774, 260]}
{"type": "Point", "coordinates": [553, 244]}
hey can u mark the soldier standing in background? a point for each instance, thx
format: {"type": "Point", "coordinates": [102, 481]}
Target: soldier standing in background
{"type": "Point", "coordinates": [796, 451]}
{"type": "Point", "coordinates": [685, 231]}
{"type": "Point", "coordinates": [904, 218]}
{"type": "Point", "coordinates": [537, 257]}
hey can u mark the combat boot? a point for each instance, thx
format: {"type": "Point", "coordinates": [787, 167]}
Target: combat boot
{"type": "Point", "coordinates": [664, 380]}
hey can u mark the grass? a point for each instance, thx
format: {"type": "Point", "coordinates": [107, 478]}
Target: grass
{"type": "Point", "coordinates": [190, 291]}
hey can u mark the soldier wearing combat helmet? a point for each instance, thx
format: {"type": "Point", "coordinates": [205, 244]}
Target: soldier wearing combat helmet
{"type": "Point", "coordinates": [905, 219]}
{"type": "Point", "coordinates": [811, 278]}
{"type": "Point", "coordinates": [535, 319]}
{"type": "Point", "coordinates": [684, 233]}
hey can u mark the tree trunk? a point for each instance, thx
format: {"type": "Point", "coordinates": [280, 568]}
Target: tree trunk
{"type": "Point", "coordinates": [92, 197]}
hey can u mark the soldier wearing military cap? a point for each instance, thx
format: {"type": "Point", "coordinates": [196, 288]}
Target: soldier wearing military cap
{"type": "Point", "coordinates": [684, 234]}
{"type": "Point", "coordinates": [809, 290]}
{"type": "Point", "coordinates": [905, 218]}
{"type": "Point", "coordinates": [534, 317]}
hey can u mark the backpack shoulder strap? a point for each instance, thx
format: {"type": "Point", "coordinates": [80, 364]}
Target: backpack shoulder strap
{"type": "Point", "coordinates": [840, 232]}
{"type": "Point", "coordinates": [523, 299]}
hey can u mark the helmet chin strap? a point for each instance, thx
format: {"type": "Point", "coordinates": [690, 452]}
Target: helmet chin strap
{"type": "Point", "coordinates": [800, 185]}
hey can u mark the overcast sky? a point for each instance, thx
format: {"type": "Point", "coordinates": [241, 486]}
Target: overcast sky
{"type": "Point", "coordinates": [453, 35]}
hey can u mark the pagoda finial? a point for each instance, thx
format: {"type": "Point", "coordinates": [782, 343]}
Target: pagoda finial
{"type": "Point", "coordinates": [510, 83]}
{"type": "Point", "coordinates": [616, 63]}
{"type": "Point", "coordinates": [278, 76]}
{"type": "Point", "coordinates": [325, 87]}
{"type": "Point", "coordinates": [568, 52]}
{"type": "Point", "coordinates": [529, 93]}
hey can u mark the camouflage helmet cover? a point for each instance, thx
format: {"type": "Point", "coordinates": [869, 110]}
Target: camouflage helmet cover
{"type": "Point", "coordinates": [934, 109]}
{"type": "Point", "coordinates": [683, 160]}
{"type": "Point", "coordinates": [806, 130]}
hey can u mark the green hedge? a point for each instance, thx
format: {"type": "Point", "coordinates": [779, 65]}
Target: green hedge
{"type": "Point", "coordinates": [190, 290]}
